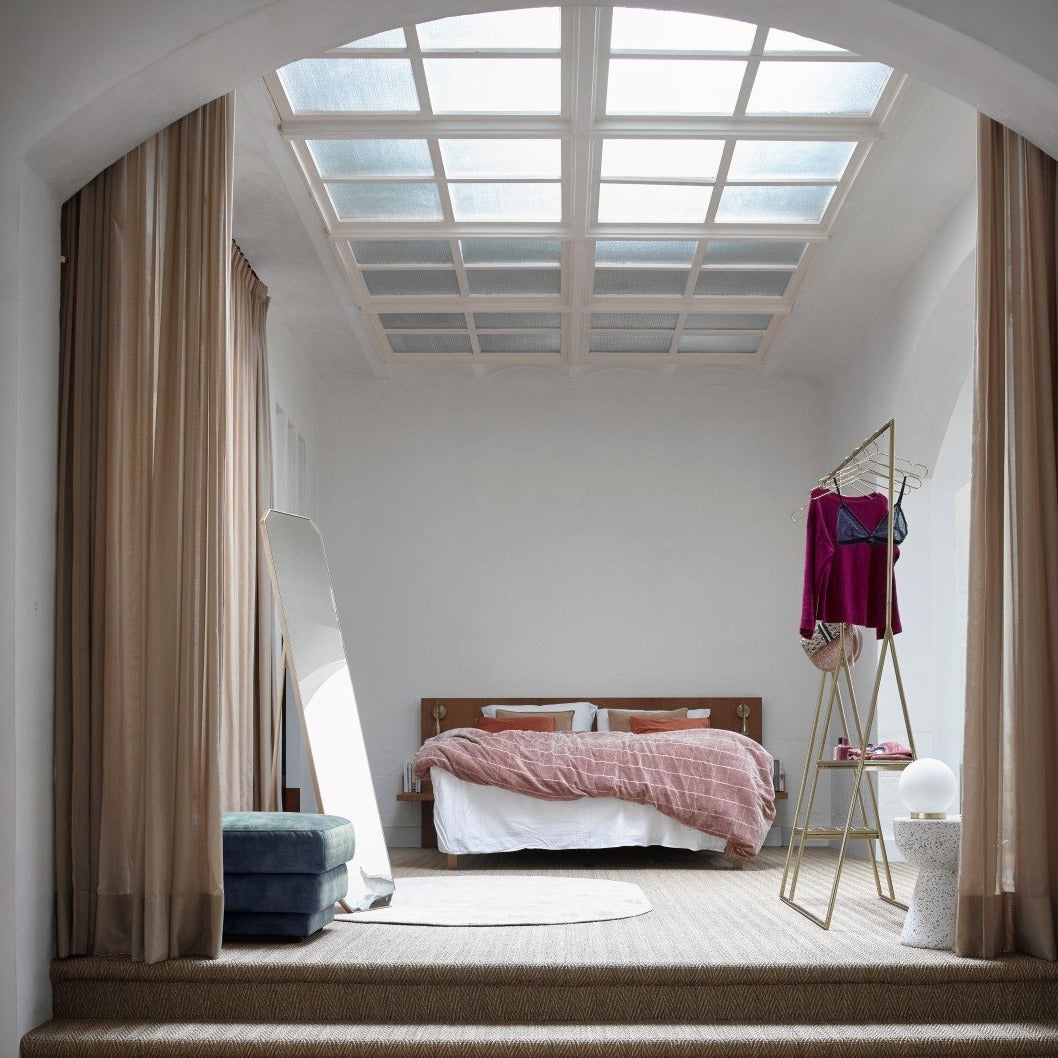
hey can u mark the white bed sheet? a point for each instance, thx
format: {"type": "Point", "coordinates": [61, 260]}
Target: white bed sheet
{"type": "Point", "coordinates": [472, 818]}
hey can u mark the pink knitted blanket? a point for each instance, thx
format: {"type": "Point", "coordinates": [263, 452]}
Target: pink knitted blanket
{"type": "Point", "coordinates": [713, 780]}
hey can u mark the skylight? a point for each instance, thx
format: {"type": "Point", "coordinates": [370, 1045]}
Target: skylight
{"type": "Point", "coordinates": [580, 185]}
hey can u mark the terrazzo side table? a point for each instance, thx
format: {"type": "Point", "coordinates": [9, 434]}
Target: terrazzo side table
{"type": "Point", "coordinates": [932, 845]}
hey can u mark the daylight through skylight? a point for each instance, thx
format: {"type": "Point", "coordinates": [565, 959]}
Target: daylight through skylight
{"type": "Point", "coordinates": [580, 185]}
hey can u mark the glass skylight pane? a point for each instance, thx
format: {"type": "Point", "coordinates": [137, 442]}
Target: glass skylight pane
{"type": "Point", "coordinates": [514, 281]}
{"type": "Point", "coordinates": [630, 343]}
{"type": "Point", "coordinates": [638, 29]}
{"type": "Point", "coordinates": [644, 251]}
{"type": "Point", "coordinates": [539, 342]}
{"type": "Point", "coordinates": [430, 343]}
{"type": "Point", "coordinates": [667, 159]}
{"type": "Point", "coordinates": [781, 40]}
{"type": "Point", "coordinates": [511, 251]}
{"type": "Point", "coordinates": [727, 321]}
{"type": "Point", "coordinates": [401, 251]}
{"type": "Point", "coordinates": [500, 158]}
{"type": "Point", "coordinates": [773, 205]}
{"type": "Point", "coordinates": [630, 321]}
{"type": "Point", "coordinates": [514, 202]}
{"type": "Point", "coordinates": [417, 321]}
{"type": "Point", "coordinates": [390, 38]}
{"type": "Point", "coordinates": [360, 85]}
{"type": "Point", "coordinates": [411, 281]}
{"type": "Point", "coordinates": [536, 27]}
{"type": "Point", "coordinates": [790, 159]}
{"type": "Point", "coordinates": [337, 159]}
{"type": "Point", "coordinates": [718, 343]}
{"type": "Point", "coordinates": [673, 86]}
{"type": "Point", "coordinates": [818, 87]}
{"type": "Point", "coordinates": [494, 86]}
{"type": "Point", "coordinates": [654, 282]}
{"type": "Point", "coordinates": [516, 320]}
{"type": "Point", "coordinates": [371, 201]}
{"type": "Point", "coordinates": [653, 203]}
{"type": "Point", "coordinates": [753, 252]}
{"type": "Point", "coordinates": [742, 283]}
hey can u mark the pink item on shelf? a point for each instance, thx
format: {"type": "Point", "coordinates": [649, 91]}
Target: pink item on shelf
{"type": "Point", "coordinates": [891, 751]}
{"type": "Point", "coordinates": [884, 751]}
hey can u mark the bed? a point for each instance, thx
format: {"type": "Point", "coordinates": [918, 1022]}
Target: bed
{"type": "Point", "coordinates": [469, 817]}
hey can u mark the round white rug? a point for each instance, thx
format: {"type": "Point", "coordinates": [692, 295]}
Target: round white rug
{"type": "Point", "coordinates": [488, 900]}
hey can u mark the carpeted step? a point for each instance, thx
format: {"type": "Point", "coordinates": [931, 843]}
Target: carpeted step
{"type": "Point", "coordinates": [75, 1038]}
{"type": "Point", "coordinates": [252, 991]}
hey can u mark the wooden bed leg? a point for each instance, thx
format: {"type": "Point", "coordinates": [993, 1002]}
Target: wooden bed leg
{"type": "Point", "coordinates": [453, 861]}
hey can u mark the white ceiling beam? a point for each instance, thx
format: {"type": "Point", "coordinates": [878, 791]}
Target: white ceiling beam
{"type": "Point", "coordinates": [439, 230]}
{"type": "Point", "coordinates": [597, 303]}
{"type": "Point", "coordinates": [348, 126]}
{"type": "Point", "coordinates": [588, 89]}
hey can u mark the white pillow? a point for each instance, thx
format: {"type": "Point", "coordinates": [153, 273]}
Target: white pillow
{"type": "Point", "coordinates": [583, 712]}
{"type": "Point", "coordinates": [602, 718]}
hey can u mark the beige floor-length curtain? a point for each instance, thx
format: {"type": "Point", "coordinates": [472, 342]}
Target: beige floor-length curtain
{"type": "Point", "coordinates": [140, 638]}
{"type": "Point", "coordinates": [248, 778]}
{"type": "Point", "coordinates": [1008, 877]}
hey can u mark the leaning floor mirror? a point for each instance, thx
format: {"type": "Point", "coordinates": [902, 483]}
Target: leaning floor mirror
{"type": "Point", "coordinates": [319, 671]}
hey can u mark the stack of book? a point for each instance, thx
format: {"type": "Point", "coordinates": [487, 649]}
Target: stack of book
{"type": "Point", "coordinates": [411, 785]}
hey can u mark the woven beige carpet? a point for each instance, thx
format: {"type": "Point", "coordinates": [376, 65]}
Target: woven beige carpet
{"type": "Point", "coordinates": [719, 968]}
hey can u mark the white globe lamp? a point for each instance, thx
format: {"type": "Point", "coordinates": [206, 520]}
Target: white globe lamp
{"type": "Point", "coordinates": [928, 788]}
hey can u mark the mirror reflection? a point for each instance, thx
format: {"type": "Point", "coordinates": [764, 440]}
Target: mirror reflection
{"type": "Point", "coordinates": [323, 687]}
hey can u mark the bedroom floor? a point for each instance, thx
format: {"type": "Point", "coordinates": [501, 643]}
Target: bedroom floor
{"type": "Point", "coordinates": [719, 968]}
{"type": "Point", "coordinates": [705, 913]}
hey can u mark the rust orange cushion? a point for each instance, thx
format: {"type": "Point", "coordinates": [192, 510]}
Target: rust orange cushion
{"type": "Point", "coordinates": [645, 725]}
{"type": "Point", "coordinates": [621, 719]}
{"type": "Point", "coordinates": [529, 723]}
{"type": "Point", "coordinates": [563, 718]}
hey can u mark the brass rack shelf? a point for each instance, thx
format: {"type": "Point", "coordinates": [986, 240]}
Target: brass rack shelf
{"type": "Point", "coordinates": [867, 464]}
{"type": "Point", "coordinates": [892, 764]}
{"type": "Point", "coordinates": [838, 832]}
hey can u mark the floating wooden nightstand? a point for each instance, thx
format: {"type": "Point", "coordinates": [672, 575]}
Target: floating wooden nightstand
{"type": "Point", "coordinates": [425, 799]}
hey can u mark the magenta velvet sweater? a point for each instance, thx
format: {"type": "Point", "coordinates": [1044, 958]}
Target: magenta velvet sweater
{"type": "Point", "coordinates": [845, 582]}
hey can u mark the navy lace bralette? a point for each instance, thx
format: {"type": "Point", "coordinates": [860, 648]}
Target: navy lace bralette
{"type": "Point", "coordinates": [850, 530]}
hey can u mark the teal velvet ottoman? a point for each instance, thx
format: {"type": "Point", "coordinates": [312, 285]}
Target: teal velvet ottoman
{"type": "Point", "coordinates": [283, 872]}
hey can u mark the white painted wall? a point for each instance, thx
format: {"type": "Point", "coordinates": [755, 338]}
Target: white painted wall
{"type": "Point", "coordinates": [532, 534]}
{"type": "Point", "coordinates": [122, 69]}
{"type": "Point", "coordinates": [913, 365]}
{"type": "Point", "coordinates": [33, 677]}
{"type": "Point", "coordinates": [292, 379]}
{"type": "Point", "coordinates": [28, 411]}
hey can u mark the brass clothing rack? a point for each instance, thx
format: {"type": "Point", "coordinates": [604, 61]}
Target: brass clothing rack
{"type": "Point", "coordinates": [870, 464]}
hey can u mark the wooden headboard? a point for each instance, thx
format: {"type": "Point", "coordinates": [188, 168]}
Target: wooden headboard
{"type": "Point", "coordinates": [463, 712]}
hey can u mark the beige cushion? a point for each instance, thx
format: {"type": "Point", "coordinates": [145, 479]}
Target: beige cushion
{"type": "Point", "coordinates": [621, 719]}
{"type": "Point", "coordinates": [563, 720]}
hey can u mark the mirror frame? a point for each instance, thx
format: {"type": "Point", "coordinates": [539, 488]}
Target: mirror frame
{"type": "Point", "coordinates": [370, 874]}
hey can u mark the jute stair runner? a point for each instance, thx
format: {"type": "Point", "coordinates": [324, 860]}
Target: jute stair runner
{"type": "Point", "coordinates": [100, 1039]}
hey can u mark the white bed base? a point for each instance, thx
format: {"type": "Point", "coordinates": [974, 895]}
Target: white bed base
{"type": "Point", "coordinates": [470, 818]}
